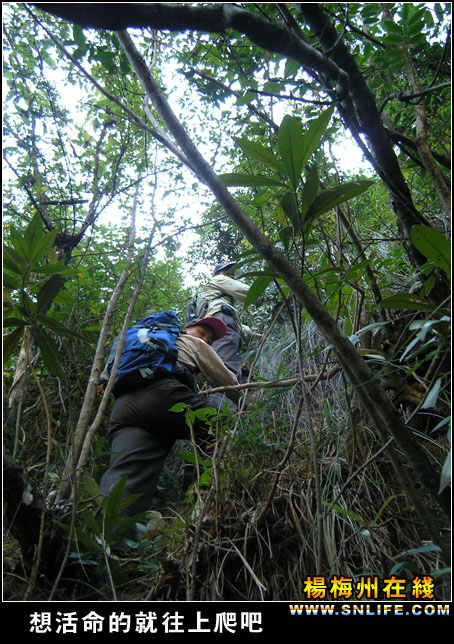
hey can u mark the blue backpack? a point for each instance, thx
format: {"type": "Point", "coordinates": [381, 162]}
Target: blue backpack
{"type": "Point", "coordinates": [149, 350]}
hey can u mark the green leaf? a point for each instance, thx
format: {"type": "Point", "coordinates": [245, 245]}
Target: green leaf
{"type": "Point", "coordinates": [34, 231]}
{"type": "Point", "coordinates": [50, 353]}
{"type": "Point", "coordinates": [79, 38]}
{"type": "Point", "coordinates": [246, 98]}
{"type": "Point", "coordinates": [112, 508]}
{"type": "Point", "coordinates": [290, 207]}
{"type": "Point", "coordinates": [317, 127]}
{"type": "Point", "coordinates": [256, 290]}
{"type": "Point", "coordinates": [41, 247]}
{"type": "Point", "coordinates": [90, 488]}
{"type": "Point", "coordinates": [82, 537]}
{"type": "Point", "coordinates": [32, 244]}
{"type": "Point", "coordinates": [11, 342]}
{"type": "Point", "coordinates": [48, 291]}
{"type": "Point", "coordinates": [310, 190]}
{"type": "Point", "coordinates": [394, 39]}
{"type": "Point", "coordinates": [7, 322]}
{"type": "Point", "coordinates": [406, 301]}
{"type": "Point", "coordinates": [179, 407]}
{"type": "Point", "coordinates": [13, 261]}
{"type": "Point", "coordinates": [278, 215]}
{"type": "Point", "coordinates": [272, 87]}
{"type": "Point", "coordinates": [58, 328]}
{"type": "Point", "coordinates": [392, 27]}
{"type": "Point", "coordinates": [249, 180]}
{"type": "Point", "coordinates": [260, 153]}
{"type": "Point", "coordinates": [381, 510]}
{"type": "Point", "coordinates": [433, 245]}
{"type": "Point", "coordinates": [51, 269]}
{"type": "Point", "coordinates": [328, 199]}
{"type": "Point", "coordinates": [10, 283]}
{"type": "Point", "coordinates": [347, 513]}
{"type": "Point", "coordinates": [286, 234]}
{"type": "Point", "coordinates": [91, 522]}
{"type": "Point", "coordinates": [291, 148]}
{"type": "Point", "coordinates": [291, 67]}
{"type": "Point", "coordinates": [432, 396]}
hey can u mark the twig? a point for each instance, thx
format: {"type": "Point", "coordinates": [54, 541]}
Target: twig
{"type": "Point", "coordinates": [288, 382]}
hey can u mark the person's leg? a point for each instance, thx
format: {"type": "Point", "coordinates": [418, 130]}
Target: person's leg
{"type": "Point", "coordinates": [228, 347]}
{"type": "Point", "coordinates": [139, 456]}
{"type": "Point", "coordinates": [142, 431]}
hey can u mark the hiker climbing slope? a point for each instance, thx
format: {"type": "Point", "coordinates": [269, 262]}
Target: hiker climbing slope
{"type": "Point", "coordinates": [220, 294]}
{"type": "Point", "coordinates": [142, 429]}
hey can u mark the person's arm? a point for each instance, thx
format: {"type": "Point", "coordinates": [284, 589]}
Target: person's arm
{"type": "Point", "coordinates": [195, 352]}
{"type": "Point", "coordinates": [248, 331]}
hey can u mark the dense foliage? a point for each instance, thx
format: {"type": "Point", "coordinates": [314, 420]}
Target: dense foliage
{"type": "Point", "coordinates": [114, 206]}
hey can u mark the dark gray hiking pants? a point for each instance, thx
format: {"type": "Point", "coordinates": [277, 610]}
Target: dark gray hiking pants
{"type": "Point", "coordinates": [227, 349]}
{"type": "Point", "coordinates": [142, 432]}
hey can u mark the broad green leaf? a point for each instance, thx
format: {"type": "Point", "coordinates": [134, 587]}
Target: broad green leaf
{"type": "Point", "coordinates": [433, 245]}
{"type": "Point", "coordinates": [406, 301]}
{"type": "Point", "coordinates": [33, 243]}
{"type": "Point", "coordinates": [246, 98]}
{"type": "Point", "coordinates": [82, 537]}
{"type": "Point", "coordinates": [290, 207]}
{"type": "Point", "coordinates": [7, 322]}
{"type": "Point", "coordinates": [329, 199]}
{"type": "Point", "coordinates": [43, 246]}
{"type": "Point", "coordinates": [91, 522]}
{"type": "Point", "coordinates": [79, 38]}
{"type": "Point", "coordinates": [10, 282]}
{"type": "Point", "coordinates": [178, 407]}
{"type": "Point", "coordinates": [34, 231]}
{"type": "Point", "coordinates": [260, 153]}
{"type": "Point", "coordinates": [260, 273]}
{"type": "Point", "coordinates": [272, 87]}
{"type": "Point", "coordinates": [11, 342]}
{"type": "Point", "coordinates": [58, 328]}
{"type": "Point", "coordinates": [48, 292]}
{"type": "Point", "coordinates": [279, 215]}
{"type": "Point", "coordinates": [291, 148]}
{"type": "Point", "coordinates": [312, 136]}
{"type": "Point", "coordinates": [256, 290]}
{"type": "Point", "coordinates": [249, 180]}
{"type": "Point", "coordinates": [286, 234]}
{"type": "Point", "coordinates": [394, 39]}
{"type": "Point", "coordinates": [392, 27]}
{"type": "Point", "coordinates": [13, 261]}
{"type": "Point", "coordinates": [50, 353]}
{"type": "Point", "coordinates": [90, 487]}
{"type": "Point", "coordinates": [310, 190]}
{"type": "Point", "coordinates": [291, 67]}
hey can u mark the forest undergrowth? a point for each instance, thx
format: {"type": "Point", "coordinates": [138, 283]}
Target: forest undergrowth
{"type": "Point", "coordinates": [317, 488]}
{"type": "Point", "coordinates": [288, 506]}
